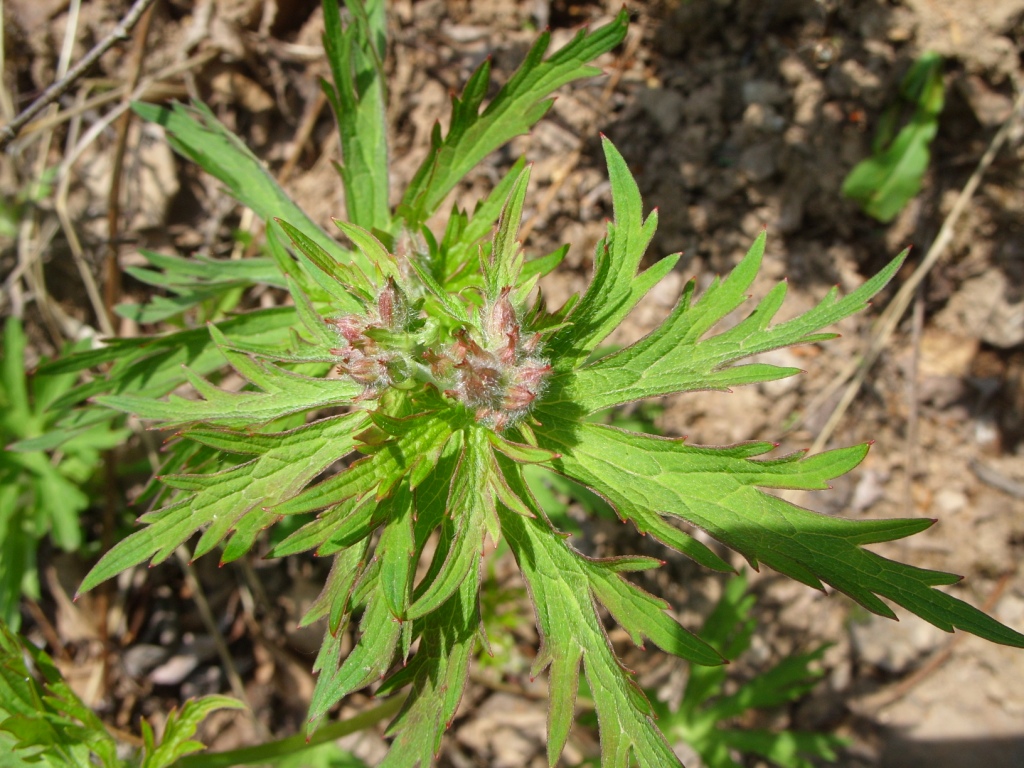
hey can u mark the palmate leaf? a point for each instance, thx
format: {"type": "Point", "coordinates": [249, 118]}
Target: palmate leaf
{"type": "Point", "coordinates": [705, 707]}
{"type": "Point", "coordinates": [181, 726]}
{"type": "Point", "coordinates": [572, 635]}
{"type": "Point", "coordinates": [437, 675]}
{"type": "Point", "coordinates": [674, 358]}
{"type": "Point", "coordinates": [44, 723]}
{"type": "Point", "coordinates": [193, 281]}
{"type": "Point", "coordinates": [521, 102]}
{"type": "Point", "coordinates": [356, 53]}
{"type": "Point", "coordinates": [41, 718]}
{"type": "Point", "coordinates": [566, 588]}
{"type": "Point", "coordinates": [150, 367]}
{"type": "Point", "coordinates": [380, 631]}
{"type": "Point", "coordinates": [235, 500]}
{"type": "Point", "coordinates": [616, 286]}
{"type": "Point", "coordinates": [284, 393]}
{"type": "Point", "coordinates": [195, 133]}
{"type": "Point", "coordinates": [717, 490]}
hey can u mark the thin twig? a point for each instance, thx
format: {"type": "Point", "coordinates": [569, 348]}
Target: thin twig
{"type": "Point", "coordinates": [34, 275]}
{"type": "Point", "coordinates": [62, 86]}
{"type": "Point", "coordinates": [565, 169]}
{"type": "Point", "coordinates": [112, 271]}
{"type": "Point", "coordinates": [149, 90]}
{"type": "Point", "coordinates": [47, 628]}
{"type": "Point", "coordinates": [206, 614]}
{"type": "Point", "coordinates": [913, 405]}
{"type": "Point", "coordinates": [996, 479]}
{"type": "Point", "coordinates": [302, 135]}
{"type": "Point", "coordinates": [890, 318]}
{"type": "Point", "coordinates": [60, 205]}
{"type": "Point", "coordinates": [6, 100]}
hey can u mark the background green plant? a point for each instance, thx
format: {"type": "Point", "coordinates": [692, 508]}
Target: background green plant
{"type": "Point", "coordinates": [41, 487]}
{"type": "Point", "coordinates": [43, 722]}
{"type": "Point", "coordinates": [885, 182]}
{"type": "Point", "coordinates": [706, 714]}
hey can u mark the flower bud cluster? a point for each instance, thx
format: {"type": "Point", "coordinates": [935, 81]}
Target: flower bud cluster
{"type": "Point", "coordinates": [364, 357]}
{"type": "Point", "coordinates": [497, 375]}
{"type": "Point", "coordinates": [500, 379]}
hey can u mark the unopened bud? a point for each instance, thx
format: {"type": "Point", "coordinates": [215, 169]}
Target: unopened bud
{"type": "Point", "coordinates": [502, 318]}
{"type": "Point", "coordinates": [351, 328]}
{"type": "Point", "coordinates": [386, 301]}
{"type": "Point", "coordinates": [508, 352]}
{"type": "Point", "coordinates": [533, 374]}
{"type": "Point", "coordinates": [518, 397]}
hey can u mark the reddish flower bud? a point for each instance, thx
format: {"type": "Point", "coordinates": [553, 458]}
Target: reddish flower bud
{"type": "Point", "coordinates": [518, 398]}
{"type": "Point", "coordinates": [464, 345]}
{"type": "Point", "coordinates": [351, 328]}
{"type": "Point", "coordinates": [533, 373]}
{"type": "Point", "coordinates": [502, 319]}
{"type": "Point", "coordinates": [531, 344]}
{"type": "Point", "coordinates": [508, 354]}
{"type": "Point", "coordinates": [386, 301]}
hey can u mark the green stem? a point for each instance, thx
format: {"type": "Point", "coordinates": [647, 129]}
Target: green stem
{"type": "Point", "coordinates": [265, 753]}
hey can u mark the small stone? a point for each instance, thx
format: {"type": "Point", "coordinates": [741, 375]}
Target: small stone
{"type": "Point", "coordinates": [763, 118]}
{"type": "Point", "coordinates": [895, 647]}
{"type": "Point", "coordinates": [949, 501]}
{"type": "Point", "coordinates": [664, 106]}
{"type": "Point", "coordinates": [758, 161]}
{"type": "Point", "coordinates": [764, 92]}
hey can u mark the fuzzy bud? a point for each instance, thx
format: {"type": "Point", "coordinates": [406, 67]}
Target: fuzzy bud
{"type": "Point", "coordinates": [502, 320]}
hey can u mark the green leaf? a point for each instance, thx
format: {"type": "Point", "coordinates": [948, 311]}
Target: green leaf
{"type": "Point", "coordinates": [193, 281]}
{"type": "Point", "coordinates": [334, 275]}
{"type": "Point", "coordinates": [283, 393]}
{"type": "Point", "coordinates": [704, 709]}
{"type": "Point", "coordinates": [676, 358]}
{"type": "Point", "coordinates": [503, 267]}
{"type": "Point", "coordinates": [437, 674]}
{"type": "Point", "coordinates": [424, 440]}
{"type": "Point", "coordinates": [181, 727]}
{"type": "Point", "coordinates": [236, 499]}
{"type": "Point", "coordinates": [368, 661]}
{"type": "Point", "coordinates": [397, 553]}
{"type": "Point", "coordinates": [333, 601]}
{"type": "Point", "coordinates": [12, 369]}
{"type": "Point", "coordinates": [195, 133]}
{"type": "Point", "coordinates": [616, 286]}
{"type": "Point", "coordinates": [469, 505]}
{"type": "Point", "coordinates": [464, 234]}
{"type": "Point", "coordinates": [520, 103]}
{"type": "Point", "coordinates": [372, 249]}
{"type": "Point", "coordinates": [356, 53]}
{"type": "Point", "coordinates": [150, 367]}
{"type": "Point", "coordinates": [885, 182]}
{"type": "Point", "coordinates": [572, 634]}
{"type": "Point", "coordinates": [40, 715]}
{"type": "Point", "coordinates": [717, 490]}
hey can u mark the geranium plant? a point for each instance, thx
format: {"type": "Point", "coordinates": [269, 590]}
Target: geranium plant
{"type": "Point", "coordinates": [394, 402]}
